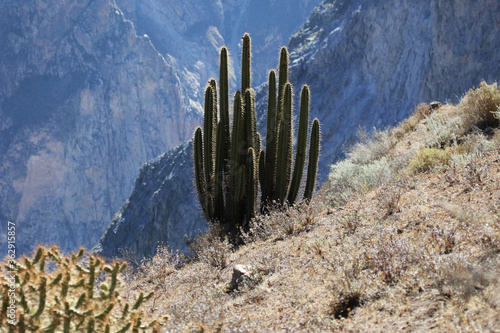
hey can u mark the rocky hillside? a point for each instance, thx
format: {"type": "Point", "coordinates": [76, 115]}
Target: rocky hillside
{"type": "Point", "coordinates": [191, 32]}
{"type": "Point", "coordinates": [86, 98]}
{"type": "Point", "coordinates": [413, 246]}
{"type": "Point", "coordinates": [369, 63]}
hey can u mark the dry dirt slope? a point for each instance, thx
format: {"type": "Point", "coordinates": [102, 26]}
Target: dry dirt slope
{"type": "Point", "coordinates": [415, 245]}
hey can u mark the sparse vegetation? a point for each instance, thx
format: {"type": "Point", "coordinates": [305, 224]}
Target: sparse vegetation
{"type": "Point", "coordinates": [405, 235]}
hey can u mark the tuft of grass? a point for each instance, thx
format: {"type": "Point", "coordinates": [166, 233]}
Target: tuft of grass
{"type": "Point", "coordinates": [427, 158]}
{"type": "Point", "coordinates": [409, 124]}
{"type": "Point", "coordinates": [283, 222]}
{"type": "Point", "coordinates": [209, 248]}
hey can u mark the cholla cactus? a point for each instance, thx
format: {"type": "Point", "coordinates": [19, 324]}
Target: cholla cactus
{"type": "Point", "coordinates": [56, 293]}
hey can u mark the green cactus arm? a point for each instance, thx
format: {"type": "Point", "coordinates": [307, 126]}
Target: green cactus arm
{"type": "Point", "coordinates": [80, 301]}
{"type": "Point", "coordinates": [219, 209]}
{"type": "Point", "coordinates": [262, 171]}
{"type": "Point", "coordinates": [300, 155]}
{"type": "Point", "coordinates": [224, 105]}
{"type": "Point", "coordinates": [251, 188]}
{"type": "Point", "coordinates": [52, 326]}
{"type": "Point", "coordinates": [268, 173]}
{"type": "Point", "coordinates": [38, 255]}
{"type": "Point", "coordinates": [208, 137]}
{"type": "Point", "coordinates": [199, 172]}
{"type": "Point", "coordinates": [236, 181]}
{"type": "Point", "coordinates": [245, 63]}
{"type": "Point", "coordinates": [21, 325]}
{"type": "Point", "coordinates": [91, 283]}
{"type": "Point", "coordinates": [42, 298]}
{"type": "Point", "coordinates": [101, 316]}
{"type": "Point", "coordinates": [67, 318]}
{"type": "Point", "coordinates": [90, 326]}
{"type": "Point", "coordinates": [125, 328]}
{"type": "Point", "coordinates": [213, 84]}
{"type": "Point", "coordinates": [282, 79]}
{"type": "Point", "coordinates": [312, 169]}
{"type": "Point", "coordinates": [284, 155]}
{"type": "Point", "coordinates": [250, 120]}
{"type": "Point", "coordinates": [236, 136]}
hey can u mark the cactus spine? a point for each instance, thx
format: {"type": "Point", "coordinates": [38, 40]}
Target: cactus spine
{"type": "Point", "coordinates": [229, 164]}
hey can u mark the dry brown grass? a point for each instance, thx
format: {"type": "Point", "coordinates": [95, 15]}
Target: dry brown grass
{"type": "Point", "coordinates": [417, 254]}
{"type": "Point", "coordinates": [416, 251]}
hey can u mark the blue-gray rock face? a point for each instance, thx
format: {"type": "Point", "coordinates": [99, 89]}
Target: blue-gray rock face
{"type": "Point", "coordinates": [161, 210]}
{"type": "Point", "coordinates": [84, 102]}
{"type": "Point", "coordinates": [369, 63]}
{"type": "Point", "coordinates": [191, 32]}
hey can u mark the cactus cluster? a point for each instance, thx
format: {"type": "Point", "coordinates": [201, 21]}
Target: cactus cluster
{"type": "Point", "coordinates": [76, 293]}
{"type": "Point", "coordinates": [230, 165]}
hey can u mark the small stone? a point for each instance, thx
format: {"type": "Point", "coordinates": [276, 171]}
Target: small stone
{"type": "Point", "coordinates": [241, 276]}
{"type": "Point", "coordinates": [435, 105]}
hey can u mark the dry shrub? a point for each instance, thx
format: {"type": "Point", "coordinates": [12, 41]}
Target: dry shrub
{"type": "Point", "coordinates": [473, 147]}
{"type": "Point", "coordinates": [371, 148]}
{"type": "Point", "coordinates": [155, 270]}
{"type": "Point", "coordinates": [445, 129]}
{"type": "Point", "coordinates": [209, 248]}
{"type": "Point", "coordinates": [480, 106]}
{"type": "Point", "coordinates": [284, 221]}
{"type": "Point", "coordinates": [409, 124]}
{"type": "Point", "coordinates": [390, 196]}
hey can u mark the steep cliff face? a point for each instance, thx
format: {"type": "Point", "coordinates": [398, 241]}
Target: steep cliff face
{"type": "Point", "coordinates": [368, 63]}
{"type": "Point", "coordinates": [161, 210]}
{"type": "Point", "coordinates": [83, 103]}
{"type": "Point", "coordinates": [192, 32]}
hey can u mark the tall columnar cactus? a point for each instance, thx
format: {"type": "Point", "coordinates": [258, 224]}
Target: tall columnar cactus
{"type": "Point", "coordinates": [229, 164]}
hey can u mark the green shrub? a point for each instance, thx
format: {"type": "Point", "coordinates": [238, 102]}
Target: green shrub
{"type": "Point", "coordinates": [444, 130]}
{"type": "Point", "coordinates": [347, 179]}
